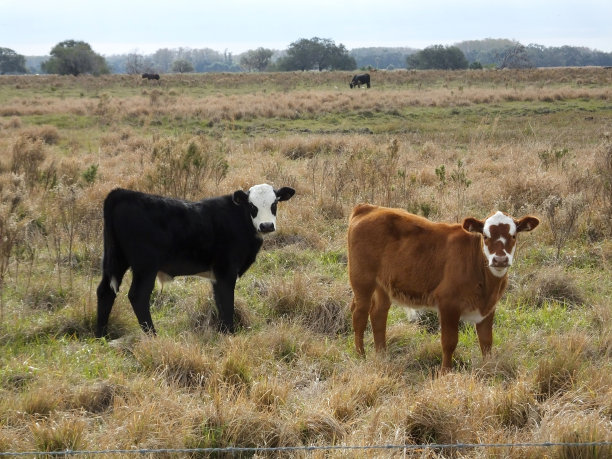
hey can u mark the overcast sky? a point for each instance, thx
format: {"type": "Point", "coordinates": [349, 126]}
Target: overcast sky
{"type": "Point", "coordinates": [33, 27]}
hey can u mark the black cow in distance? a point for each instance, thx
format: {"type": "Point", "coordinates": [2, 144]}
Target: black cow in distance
{"type": "Point", "coordinates": [358, 80]}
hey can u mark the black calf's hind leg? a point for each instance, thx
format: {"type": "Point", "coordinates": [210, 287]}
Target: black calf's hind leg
{"type": "Point", "coordinates": [106, 298]}
{"type": "Point", "coordinates": [140, 296]}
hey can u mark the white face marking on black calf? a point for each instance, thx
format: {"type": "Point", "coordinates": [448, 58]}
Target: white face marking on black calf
{"type": "Point", "coordinates": [262, 201]}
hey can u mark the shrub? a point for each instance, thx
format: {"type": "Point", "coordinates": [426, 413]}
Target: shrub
{"type": "Point", "coordinates": [48, 134]}
{"type": "Point", "coordinates": [28, 156]}
{"type": "Point", "coordinates": [562, 215]}
{"type": "Point", "coordinates": [183, 169]}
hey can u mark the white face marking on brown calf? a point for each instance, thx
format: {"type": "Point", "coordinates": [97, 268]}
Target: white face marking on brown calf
{"type": "Point", "coordinates": [499, 242]}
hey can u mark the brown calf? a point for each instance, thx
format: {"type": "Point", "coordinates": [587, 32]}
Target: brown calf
{"type": "Point", "coordinates": [459, 270]}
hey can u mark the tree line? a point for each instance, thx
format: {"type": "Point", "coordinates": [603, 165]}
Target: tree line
{"type": "Point", "coordinates": [73, 57]}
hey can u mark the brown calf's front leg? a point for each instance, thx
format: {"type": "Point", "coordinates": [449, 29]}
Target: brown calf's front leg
{"type": "Point", "coordinates": [449, 327]}
{"type": "Point", "coordinates": [485, 334]}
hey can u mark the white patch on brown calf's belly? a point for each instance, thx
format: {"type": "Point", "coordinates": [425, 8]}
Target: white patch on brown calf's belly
{"type": "Point", "coordinates": [411, 309]}
{"type": "Point", "coordinates": [472, 316]}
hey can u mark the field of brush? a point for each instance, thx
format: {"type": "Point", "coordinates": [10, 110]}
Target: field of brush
{"type": "Point", "coordinates": [445, 145]}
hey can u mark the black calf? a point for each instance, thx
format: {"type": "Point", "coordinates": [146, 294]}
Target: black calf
{"type": "Point", "coordinates": [155, 236]}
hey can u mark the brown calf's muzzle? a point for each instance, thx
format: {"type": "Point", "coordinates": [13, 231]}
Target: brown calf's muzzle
{"type": "Point", "coordinates": [500, 261]}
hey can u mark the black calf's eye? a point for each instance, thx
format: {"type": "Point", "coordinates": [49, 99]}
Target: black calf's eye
{"type": "Point", "coordinates": [273, 208]}
{"type": "Point", "coordinates": [253, 209]}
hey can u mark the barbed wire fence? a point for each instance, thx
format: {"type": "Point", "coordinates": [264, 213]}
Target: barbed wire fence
{"type": "Point", "coordinates": [606, 448]}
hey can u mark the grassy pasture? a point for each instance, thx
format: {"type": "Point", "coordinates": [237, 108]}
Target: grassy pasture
{"type": "Point", "coordinates": [442, 144]}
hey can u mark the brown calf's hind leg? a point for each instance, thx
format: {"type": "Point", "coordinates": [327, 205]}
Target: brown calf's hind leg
{"type": "Point", "coordinates": [378, 317]}
{"type": "Point", "coordinates": [360, 309]}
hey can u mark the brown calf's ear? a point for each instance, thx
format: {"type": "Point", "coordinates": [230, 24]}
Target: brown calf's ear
{"type": "Point", "coordinates": [240, 197]}
{"type": "Point", "coordinates": [473, 225]}
{"type": "Point", "coordinates": [526, 223]}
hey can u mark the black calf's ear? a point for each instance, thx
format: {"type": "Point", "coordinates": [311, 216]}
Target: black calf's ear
{"type": "Point", "coordinates": [473, 225]}
{"type": "Point", "coordinates": [240, 197]}
{"type": "Point", "coordinates": [284, 193]}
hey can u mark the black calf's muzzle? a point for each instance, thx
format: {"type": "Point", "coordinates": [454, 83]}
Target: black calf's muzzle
{"type": "Point", "coordinates": [266, 227]}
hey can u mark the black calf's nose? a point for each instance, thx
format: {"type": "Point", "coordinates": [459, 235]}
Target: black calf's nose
{"type": "Point", "coordinates": [267, 227]}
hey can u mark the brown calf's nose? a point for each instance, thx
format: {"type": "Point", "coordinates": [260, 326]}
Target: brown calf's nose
{"type": "Point", "coordinates": [500, 260]}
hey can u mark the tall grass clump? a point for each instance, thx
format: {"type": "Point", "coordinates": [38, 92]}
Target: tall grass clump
{"type": "Point", "coordinates": [556, 375]}
{"type": "Point", "coordinates": [59, 435]}
{"type": "Point", "coordinates": [307, 300]}
{"type": "Point", "coordinates": [550, 284]}
{"type": "Point", "coordinates": [184, 364]}
{"type": "Point", "coordinates": [604, 168]}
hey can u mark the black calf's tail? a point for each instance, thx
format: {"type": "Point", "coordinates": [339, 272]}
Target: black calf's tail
{"type": "Point", "coordinates": [111, 269]}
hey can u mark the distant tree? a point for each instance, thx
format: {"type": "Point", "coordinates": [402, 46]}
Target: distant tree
{"type": "Point", "coordinates": [134, 64]}
{"type": "Point", "coordinates": [515, 58]}
{"type": "Point", "coordinates": [381, 58]}
{"type": "Point", "coordinates": [33, 63]}
{"type": "Point", "coordinates": [204, 57]}
{"type": "Point", "coordinates": [182, 66]}
{"type": "Point", "coordinates": [72, 57]}
{"type": "Point", "coordinates": [11, 62]}
{"type": "Point", "coordinates": [493, 52]}
{"type": "Point", "coordinates": [566, 56]}
{"type": "Point", "coordinates": [163, 59]}
{"type": "Point", "coordinates": [256, 60]}
{"type": "Point", "coordinates": [228, 57]}
{"type": "Point", "coordinates": [338, 58]}
{"type": "Point", "coordinates": [316, 54]}
{"type": "Point", "coordinates": [475, 65]}
{"type": "Point", "coordinates": [485, 51]}
{"type": "Point", "coordinates": [438, 57]}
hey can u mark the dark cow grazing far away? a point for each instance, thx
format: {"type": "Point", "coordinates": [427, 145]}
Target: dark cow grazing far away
{"type": "Point", "coordinates": [151, 76]}
{"type": "Point", "coordinates": [358, 80]}
{"type": "Point", "coordinates": [216, 238]}
{"type": "Point", "coordinates": [459, 270]}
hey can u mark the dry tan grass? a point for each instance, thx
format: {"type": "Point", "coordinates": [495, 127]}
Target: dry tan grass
{"type": "Point", "coordinates": [290, 376]}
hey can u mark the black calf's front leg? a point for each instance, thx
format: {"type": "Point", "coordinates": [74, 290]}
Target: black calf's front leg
{"type": "Point", "coordinates": [140, 297]}
{"type": "Point", "coordinates": [223, 290]}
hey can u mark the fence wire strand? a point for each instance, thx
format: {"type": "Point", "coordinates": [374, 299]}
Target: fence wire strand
{"type": "Point", "coordinates": [236, 450]}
